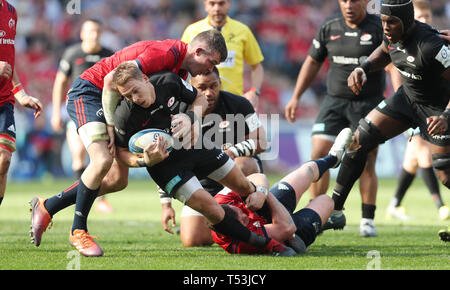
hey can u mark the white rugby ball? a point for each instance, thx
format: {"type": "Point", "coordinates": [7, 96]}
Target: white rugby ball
{"type": "Point", "coordinates": [139, 141]}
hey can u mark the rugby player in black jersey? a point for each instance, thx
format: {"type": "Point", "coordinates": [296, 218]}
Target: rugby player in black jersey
{"type": "Point", "coordinates": [231, 122]}
{"type": "Point", "coordinates": [75, 60]}
{"type": "Point", "coordinates": [423, 60]}
{"type": "Point", "coordinates": [346, 39]}
{"type": "Point", "coordinates": [178, 173]}
{"type": "Point", "coordinates": [175, 172]}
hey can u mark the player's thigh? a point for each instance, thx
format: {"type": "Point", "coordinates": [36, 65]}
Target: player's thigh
{"type": "Point", "coordinates": [204, 203]}
{"type": "Point", "coordinates": [74, 141]}
{"type": "Point", "coordinates": [323, 206]}
{"type": "Point", "coordinates": [393, 115]}
{"type": "Point", "coordinates": [7, 136]}
{"type": "Point", "coordinates": [423, 152]}
{"type": "Point", "coordinates": [331, 117]}
{"type": "Point", "coordinates": [321, 145]}
{"type": "Point", "coordinates": [7, 127]}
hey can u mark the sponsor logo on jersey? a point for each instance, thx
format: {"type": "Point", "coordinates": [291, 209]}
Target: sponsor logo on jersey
{"type": "Point", "coordinates": [345, 60]}
{"type": "Point", "coordinates": [334, 37]}
{"type": "Point", "coordinates": [410, 75]}
{"type": "Point", "coordinates": [2, 33]}
{"type": "Point", "coordinates": [351, 34]}
{"type": "Point", "coordinates": [441, 137]}
{"type": "Point", "coordinates": [7, 41]}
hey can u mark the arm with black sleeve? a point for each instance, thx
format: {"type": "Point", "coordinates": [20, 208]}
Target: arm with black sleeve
{"type": "Point", "coordinates": [377, 60]}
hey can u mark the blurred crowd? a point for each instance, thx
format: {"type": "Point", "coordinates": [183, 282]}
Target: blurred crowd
{"type": "Point", "coordinates": [283, 28]}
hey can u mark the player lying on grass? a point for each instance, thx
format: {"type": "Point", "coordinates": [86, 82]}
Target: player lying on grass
{"type": "Point", "coordinates": [176, 172]}
{"type": "Point", "coordinates": [277, 219]}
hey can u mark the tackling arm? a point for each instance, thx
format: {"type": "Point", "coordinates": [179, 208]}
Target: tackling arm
{"type": "Point", "coordinates": [282, 226]}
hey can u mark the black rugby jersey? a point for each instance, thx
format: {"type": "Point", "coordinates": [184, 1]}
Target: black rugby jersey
{"type": "Point", "coordinates": [346, 49]}
{"type": "Point", "coordinates": [75, 61]}
{"type": "Point", "coordinates": [421, 59]}
{"type": "Point", "coordinates": [231, 120]}
{"type": "Point", "coordinates": [173, 95]}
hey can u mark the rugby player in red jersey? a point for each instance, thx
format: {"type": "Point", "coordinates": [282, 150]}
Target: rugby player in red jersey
{"type": "Point", "coordinates": [278, 221]}
{"type": "Point", "coordinates": [91, 103]}
{"type": "Point", "coordinates": [10, 90]}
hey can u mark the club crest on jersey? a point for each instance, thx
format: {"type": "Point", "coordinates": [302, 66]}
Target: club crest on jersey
{"type": "Point", "coordinates": [224, 124]}
{"type": "Point", "coordinates": [366, 39]}
{"type": "Point", "coordinates": [171, 102]}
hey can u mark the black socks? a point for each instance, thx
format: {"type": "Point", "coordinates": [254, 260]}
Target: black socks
{"type": "Point", "coordinates": [62, 200]}
{"type": "Point", "coordinates": [232, 228]}
{"type": "Point", "coordinates": [84, 200]}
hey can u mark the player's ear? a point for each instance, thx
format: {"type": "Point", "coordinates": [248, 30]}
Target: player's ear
{"type": "Point", "coordinates": [199, 51]}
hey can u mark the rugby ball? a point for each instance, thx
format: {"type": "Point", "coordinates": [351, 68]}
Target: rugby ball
{"type": "Point", "coordinates": [139, 141]}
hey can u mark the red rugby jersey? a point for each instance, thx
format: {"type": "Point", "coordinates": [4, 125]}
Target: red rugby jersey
{"type": "Point", "coordinates": [255, 225]}
{"type": "Point", "coordinates": [8, 21]}
{"type": "Point", "coordinates": [152, 56]}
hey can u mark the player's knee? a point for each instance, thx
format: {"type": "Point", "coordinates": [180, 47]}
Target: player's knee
{"type": "Point", "coordinates": [444, 177]}
{"type": "Point", "coordinates": [102, 163]}
{"type": "Point", "coordinates": [196, 240]}
{"type": "Point", "coordinates": [441, 161]}
{"type": "Point", "coordinates": [367, 136]}
{"type": "Point", "coordinates": [290, 230]}
{"type": "Point", "coordinates": [5, 161]}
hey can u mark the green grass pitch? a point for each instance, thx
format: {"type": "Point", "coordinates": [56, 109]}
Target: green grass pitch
{"type": "Point", "coordinates": [132, 236]}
